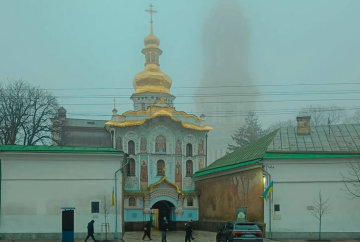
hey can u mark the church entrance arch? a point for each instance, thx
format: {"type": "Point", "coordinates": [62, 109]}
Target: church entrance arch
{"type": "Point", "coordinates": [160, 210]}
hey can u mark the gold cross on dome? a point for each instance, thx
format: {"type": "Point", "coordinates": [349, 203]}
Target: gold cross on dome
{"type": "Point", "coordinates": [164, 169]}
{"type": "Point", "coordinates": [151, 12]}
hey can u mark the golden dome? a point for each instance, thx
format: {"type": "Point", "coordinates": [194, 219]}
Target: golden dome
{"type": "Point", "coordinates": [152, 79]}
{"type": "Point", "coordinates": [151, 41]}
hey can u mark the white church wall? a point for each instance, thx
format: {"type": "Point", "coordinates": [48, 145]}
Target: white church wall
{"type": "Point", "coordinates": [36, 186]}
{"type": "Point", "coordinates": [296, 184]}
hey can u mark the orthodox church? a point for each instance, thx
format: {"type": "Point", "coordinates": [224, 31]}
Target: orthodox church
{"type": "Point", "coordinates": [165, 146]}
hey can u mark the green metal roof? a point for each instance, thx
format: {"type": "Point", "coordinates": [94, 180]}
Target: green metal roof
{"type": "Point", "coordinates": [250, 153]}
{"type": "Point", "coordinates": [57, 149]}
{"type": "Point", "coordinates": [279, 155]}
{"type": "Point", "coordinates": [330, 141]}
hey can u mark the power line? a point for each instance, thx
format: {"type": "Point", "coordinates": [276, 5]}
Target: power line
{"type": "Point", "coordinates": [207, 87]}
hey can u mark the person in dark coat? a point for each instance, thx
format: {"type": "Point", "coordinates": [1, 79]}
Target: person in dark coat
{"type": "Point", "coordinates": [163, 229]}
{"type": "Point", "coordinates": [188, 233]}
{"type": "Point", "coordinates": [147, 230]}
{"type": "Point", "coordinates": [190, 223]}
{"type": "Point", "coordinates": [90, 228]}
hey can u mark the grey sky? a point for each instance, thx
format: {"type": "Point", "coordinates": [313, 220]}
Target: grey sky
{"type": "Point", "coordinates": [97, 44]}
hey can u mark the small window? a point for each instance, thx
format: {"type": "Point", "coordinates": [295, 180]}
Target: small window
{"type": "Point", "coordinates": [190, 202]}
{"type": "Point", "coordinates": [189, 150]}
{"type": "Point", "coordinates": [277, 207]}
{"type": "Point", "coordinates": [131, 168]}
{"type": "Point", "coordinates": [90, 122]}
{"type": "Point", "coordinates": [95, 207]}
{"type": "Point", "coordinates": [189, 168]}
{"type": "Point", "coordinates": [160, 168]}
{"type": "Point", "coordinates": [132, 202]}
{"type": "Point", "coordinates": [131, 148]}
{"type": "Point", "coordinates": [142, 106]}
{"type": "Point", "coordinates": [160, 144]}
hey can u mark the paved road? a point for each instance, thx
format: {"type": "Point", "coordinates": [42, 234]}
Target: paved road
{"type": "Point", "coordinates": [173, 236]}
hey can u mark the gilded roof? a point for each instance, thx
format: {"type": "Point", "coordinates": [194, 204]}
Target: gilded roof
{"type": "Point", "coordinates": [137, 118]}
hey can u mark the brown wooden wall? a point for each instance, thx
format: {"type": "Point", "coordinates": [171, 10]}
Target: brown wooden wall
{"type": "Point", "coordinates": [220, 196]}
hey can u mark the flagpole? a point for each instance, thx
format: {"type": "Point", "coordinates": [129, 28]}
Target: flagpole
{"type": "Point", "coordinates": [270, 201]}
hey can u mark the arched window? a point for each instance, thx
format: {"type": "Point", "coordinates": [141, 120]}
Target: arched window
{"type": "Point", "coordinates": [189, 150]}
{"type": "Point", "coordinates": [131, 168]}
{"type": "Point", "coordinates": [142, 106]}
{"type": "Point", "coordinates": [160, 168]}
{"type": "Point", "coordinates": [152, 57]}
{"type": "Point", "coordinates": [160, 144]}
{"type": "Point", "coordinates": [157, 59]}
{"type": "Point", "coordinates": [190, 202]}
{"type": "Point", "coordinates": [147, 57]}
{"type": "Point", "coordinates": [189, 168]}
{"type": "Point", "coordinates": [132, 202]}
{"type": "Point", "coordinates": [131, 148]}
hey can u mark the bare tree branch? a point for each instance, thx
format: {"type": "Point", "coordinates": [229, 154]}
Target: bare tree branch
{"type": "Point", "coordinates": [352, 181]}
{"type": "Point", "coordinates": [27, 115]}
{"type": "Point", "coordinates": [321, 208]}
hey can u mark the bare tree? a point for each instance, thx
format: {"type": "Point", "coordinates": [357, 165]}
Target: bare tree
{"type": "Point", "coordinates": [352, 181]}
{"type": "Point", "coordinates": [354, 118]}
{"type": "Point", "coordinates": [321, 208]}
{"type": "Point", "coordinates": [322, 115]}
{"type": "Point", "coordinates": [281, 124]}
{"type": "Point", "coordinates": [105, 210]}
{"type": "Point", "coordinates": [26, 113]}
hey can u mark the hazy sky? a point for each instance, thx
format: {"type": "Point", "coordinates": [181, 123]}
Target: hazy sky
{"type": "Point", "coordinates": [97, 44]}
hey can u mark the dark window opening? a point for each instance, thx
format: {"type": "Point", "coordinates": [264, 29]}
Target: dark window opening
{"type": "Point", "coordinates": [189, 150]}
{"type": "Point", "coordinates": [95, 207]}
{"type": "Point", "coordinates": [277, 207]}
{"type": "Point", "coordinates": [189, 168]}
{"type": "Point", "coordinates": [160, 168]}
{"type": "Point", "coordinates": [131, 148]}
{"type": "Point", "coordinates": [190, 202]}
{"type": "Point", "coordinates": [131, 168]}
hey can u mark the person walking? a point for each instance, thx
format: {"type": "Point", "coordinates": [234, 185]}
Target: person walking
{"type": "Point", "coordinates": [147, 230]}
{"type": "Point", "coordinates": [191, 229]}
{"type": "Point", "coordinates": [188, 233]}
{"type": "Point", "coordinates": [163, 229]}
{"type": "Point", "coordinates": [90, 228]}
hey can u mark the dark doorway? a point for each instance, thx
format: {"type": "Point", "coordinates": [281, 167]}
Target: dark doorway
{"type": "Point", "coordinates": [164, 211]}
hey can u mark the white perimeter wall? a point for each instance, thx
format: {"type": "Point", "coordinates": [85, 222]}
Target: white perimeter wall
{"type": "Point", "coordinates": [36, 186]}
{"type": "Point", "coordinates": [298, 182]}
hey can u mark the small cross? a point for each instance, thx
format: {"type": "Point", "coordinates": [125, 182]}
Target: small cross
{"type": "Point", "coordinates": [151, 11]}
{"type": "Point", "coordinates": [164, 169]}
{"type": "Point", "coordinates": [202, 104]}
{"type": "Point", "coordinates": [114, 103]}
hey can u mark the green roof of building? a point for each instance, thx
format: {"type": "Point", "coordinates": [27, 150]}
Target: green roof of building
{"type": "Point", "coordinates": [327, 141]}
{"type": "Point", "coordinates": [252, 152]}
{"type": "Point", "coordinates": [57, 149]}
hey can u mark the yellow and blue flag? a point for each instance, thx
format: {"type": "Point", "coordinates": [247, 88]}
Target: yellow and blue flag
{"type": "Point", "coordinates": [113, 198]}
{"type": "Point", "coordinates": [268, 191]}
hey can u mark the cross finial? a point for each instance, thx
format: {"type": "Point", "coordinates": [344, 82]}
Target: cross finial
{"type": "Point", "coordinates": [202, 104]}
{"type": "Point", "coordinates": [114, 103]}
{"type": "Point", "coordinates": [151, 11]}
{"type": "Point", "coordinates": [164, 169]}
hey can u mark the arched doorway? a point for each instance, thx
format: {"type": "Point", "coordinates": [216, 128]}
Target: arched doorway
{"type": "Point", "coordinates": [161, 210]}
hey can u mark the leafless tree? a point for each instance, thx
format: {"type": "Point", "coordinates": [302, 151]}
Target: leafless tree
{"type": "Point", "coordinates": [105, 210]}
{"type": "Point", "coordinates": [321, 208]}
{"type": "Point", "coordinates": [322, 115]}
{"type": "Point", "coordinates": [27, 115]}
{"type": "Point", "coordinates": [352, 180]}
{"type": "Point", "coordinates": [282, 124]}
{"type": "Point", "coordinates": [354, 118]}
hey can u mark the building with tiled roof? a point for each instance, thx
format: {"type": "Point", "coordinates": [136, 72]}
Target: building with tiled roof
{"type": "Point", "coordinates": [300, 162]}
